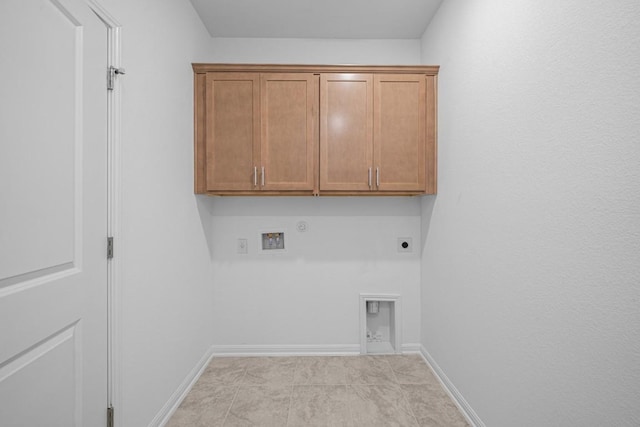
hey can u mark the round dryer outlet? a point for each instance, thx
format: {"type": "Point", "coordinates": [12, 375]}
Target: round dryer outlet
{"type": "Point", "coordinates": [405, 244]}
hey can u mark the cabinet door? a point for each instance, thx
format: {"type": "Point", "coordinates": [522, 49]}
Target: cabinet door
{"type": "Point", "coordinates": [399, 132]}
{"type": "Point", "coordinates": [289, 105]}
{"type": "Point", "coordinates": [346, 131]}
{"type": "Point", "coordinates": [232, 131]}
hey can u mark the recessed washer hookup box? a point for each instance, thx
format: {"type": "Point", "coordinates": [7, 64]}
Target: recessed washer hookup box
{"type": "Point", "coordinates": [273, 241]}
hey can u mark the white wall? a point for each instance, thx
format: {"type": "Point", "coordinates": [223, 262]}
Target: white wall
{"type": "Point", "coordinates": [163, 249]}
{"type": "Point", "coordinates": [308, 298]}
{"type": "Point", "coordinates": [530, 268]}
{"type": "Point", "coordinates": [315, 51]}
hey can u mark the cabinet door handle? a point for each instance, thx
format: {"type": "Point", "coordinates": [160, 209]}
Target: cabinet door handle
{"type": "Point", "coordinates": [263, 176]}
{"type": "Point", "coordinates": [255, 176]}
{"type": "Point", "coordinates": [377, 177]}
{"type": "Point", "coordinates": [369, 177]}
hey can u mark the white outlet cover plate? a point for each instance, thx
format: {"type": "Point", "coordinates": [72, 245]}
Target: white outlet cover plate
{"type": "Point", "coordinates": [243, 246]}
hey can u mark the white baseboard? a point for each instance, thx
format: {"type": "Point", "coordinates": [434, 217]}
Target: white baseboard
{"type": "Point", "coordinates": [411, 348]}
{"type": "Point", "coordinates": [178, 396]}
{"type": "Point", "coordinates": [457, 397]}
{"type": "Point", "coordinates": [286, 350]}
{"type": "Point", "coordinates": [298, 350]}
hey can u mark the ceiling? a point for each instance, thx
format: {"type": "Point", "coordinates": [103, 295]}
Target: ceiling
{"type": "Point", "coordinates": [326, 19]}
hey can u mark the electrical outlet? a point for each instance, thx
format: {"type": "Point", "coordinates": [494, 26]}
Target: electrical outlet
{"type": "Point", "coordinates": [243, 246]}
{"type": "Point", "coordinates": [405, 244]}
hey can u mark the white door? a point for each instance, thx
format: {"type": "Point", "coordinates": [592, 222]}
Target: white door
{"type": "Point", "coordinates": [53, 183]}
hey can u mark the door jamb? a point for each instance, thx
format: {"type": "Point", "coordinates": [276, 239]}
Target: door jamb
{"type": "Point", "coordinates": [114, 335]}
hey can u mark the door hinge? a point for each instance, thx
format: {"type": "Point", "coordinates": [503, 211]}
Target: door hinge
{"type": "Point", "coordinates": [110, 416]}
{"type": "Point", "coordinates": [109, 247]}
{"type": "Point", "coordinates": [111, 75]}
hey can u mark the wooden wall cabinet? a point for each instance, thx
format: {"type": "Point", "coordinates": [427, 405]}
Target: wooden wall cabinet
{"type": "Point", "coordinates": [231, 132]}
{"type": "Point", "coordinates": [346, 132]}
{"type": "Point", "coordinates": [288, 138]}
{"type": "Point", "coordinates": [373, 133]}
{"type": "Point", "coordinates": [399, 137]}
{"type": "Point", "coordinates": [315, 130]}
{"type": "Point", "coordinates": [256, 132]}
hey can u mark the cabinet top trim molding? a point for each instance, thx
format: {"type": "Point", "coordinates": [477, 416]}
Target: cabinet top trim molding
{"type": "Point", "coordinates": [430, 70]}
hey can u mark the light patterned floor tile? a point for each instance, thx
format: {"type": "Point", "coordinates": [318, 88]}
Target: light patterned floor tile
{"type": "Point", "coordinates": [264, 406]}
{"type": "Point", "coordinates": [369, 370]}
{"type": "Point", "coordinates": [432, 406]}
{"type": "Point", "coordinates": [411, 369]}
{"type": "Point", "coordinates": [351, 391]}
{"type": "Point", "coordinates": [320, 370]}
{"type": "Point", "coordinates": [205, 406]}
{"type": "Point", "coordinates": [269, 370]}
{"type": "Point", "coordinates": [320, 405]}
{"type": "Point", "coordinates": [225, 370]}
{"type": "Point", "coordinates": [380, 405]}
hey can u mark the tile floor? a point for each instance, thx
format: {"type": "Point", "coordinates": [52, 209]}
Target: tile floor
{"type": "Point", "coordinates": [397, 390]}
